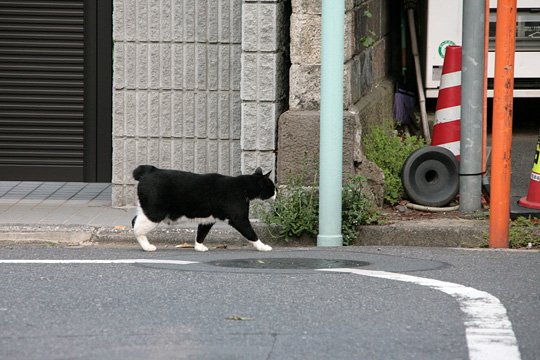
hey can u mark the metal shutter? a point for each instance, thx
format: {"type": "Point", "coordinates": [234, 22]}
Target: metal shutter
{"type": "Point", "coordinates": [41, 90]}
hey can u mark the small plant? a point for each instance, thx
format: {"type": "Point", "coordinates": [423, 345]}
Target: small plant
{"type": "Point", "coordinates": [369, 39]}
{"type": "Point", "coordinates": [386, 148]}
{"type": "Point", "coordinates": [522, 232]}
{"type": "Point", "coordinates": [357, 209]}
{"type": "Point", "coordinates": [296, 210]}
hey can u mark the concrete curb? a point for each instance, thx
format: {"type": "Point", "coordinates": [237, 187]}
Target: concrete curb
{"type": "Point", "coordinates": [433, 232]}
{"type": "Point", "coordinates": [58, 234]}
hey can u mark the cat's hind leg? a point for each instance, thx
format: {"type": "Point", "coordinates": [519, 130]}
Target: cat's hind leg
{"type": "Point", "coordinates": [202, 231]}
{"type": "Point", "coordinates": [142, 226]}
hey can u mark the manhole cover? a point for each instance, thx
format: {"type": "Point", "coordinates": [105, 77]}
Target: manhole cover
{"type": "Point", "coordinates": [289, 263]}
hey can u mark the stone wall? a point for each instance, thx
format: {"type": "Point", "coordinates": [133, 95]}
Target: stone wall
{"type": "Point", "coordinates": [364, 66]}
{"type": "Point", "coordinates": [366, 84]}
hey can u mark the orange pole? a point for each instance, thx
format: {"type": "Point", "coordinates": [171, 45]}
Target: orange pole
{"type": "Point", "coordinates": [505, 43]}
{"type": "Point", "coordinates": [485, 102]}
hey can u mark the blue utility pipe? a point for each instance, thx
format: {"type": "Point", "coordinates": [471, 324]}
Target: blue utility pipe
{"type": "Point", "coordinates": [331, 124]}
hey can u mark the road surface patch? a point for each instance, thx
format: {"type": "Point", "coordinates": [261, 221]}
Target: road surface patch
{"type": "Point", "coordinates": [487, 327]}
{"type": "Point", "coordinates": [115, 261]}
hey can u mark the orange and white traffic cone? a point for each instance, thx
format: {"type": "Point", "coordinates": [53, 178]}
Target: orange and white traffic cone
{"type": "Point", "coordinates": [532, 200]}
{"type": "Point", "coordinates": [446, 130]}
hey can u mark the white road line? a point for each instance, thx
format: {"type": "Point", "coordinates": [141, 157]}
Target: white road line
{"type": "Point", "coordinates": [115, 261]}
{"type": "Point", "coordinates": [488, 330]}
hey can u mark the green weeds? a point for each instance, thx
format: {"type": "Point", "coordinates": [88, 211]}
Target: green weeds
{"type": "Point", "coordinates": [389, 150]}
{"type": "Point", "coordinates": [296, 210]}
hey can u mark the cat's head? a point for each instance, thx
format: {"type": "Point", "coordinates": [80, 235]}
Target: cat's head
{"type": "Point", "coordinates": [266, 186]}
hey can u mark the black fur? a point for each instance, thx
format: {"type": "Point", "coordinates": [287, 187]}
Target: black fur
{"type": "Point", "coordinates": [172, 194]}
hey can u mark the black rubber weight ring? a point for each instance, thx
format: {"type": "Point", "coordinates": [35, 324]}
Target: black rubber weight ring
{"type": "Point", "coordinates": [430, 176]}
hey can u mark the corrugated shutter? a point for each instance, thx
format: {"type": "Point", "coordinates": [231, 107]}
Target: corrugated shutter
{"type": "Point", "coordinates": [41, 90]}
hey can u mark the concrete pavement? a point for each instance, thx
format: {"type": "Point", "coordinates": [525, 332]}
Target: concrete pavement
{"type": "Point", "coordinates": [79, 213]}
{"type": "Point", "coordinates": [82, 213]}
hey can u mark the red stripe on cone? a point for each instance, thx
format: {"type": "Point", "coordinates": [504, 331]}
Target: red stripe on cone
{"type": "Point", "coordinates": [449, 97]}
{"type": "Point", "coordinates": [445, 132]}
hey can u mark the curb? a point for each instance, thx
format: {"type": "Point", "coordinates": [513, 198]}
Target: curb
{"type": "Point", "coordinates": [433, 232]}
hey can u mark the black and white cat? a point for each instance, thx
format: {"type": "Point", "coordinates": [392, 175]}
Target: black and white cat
{"type": "Point", "coordinates": [171, 195]}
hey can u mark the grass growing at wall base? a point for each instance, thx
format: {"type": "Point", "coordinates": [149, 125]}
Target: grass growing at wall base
{"type": "Point", "coordinates": [296, 210]}
{"type": "Point", "coordinates": [388, 150]}
{"type": "Point", "coordinates": [522, 232]}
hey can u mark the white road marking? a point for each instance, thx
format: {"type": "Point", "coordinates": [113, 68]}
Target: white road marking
{"type": "Point", "coordinates": [114, 261]}
{"type": "Point", "coordinates": [487, 327]}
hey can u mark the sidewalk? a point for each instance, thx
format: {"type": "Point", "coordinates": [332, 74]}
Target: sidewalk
{"type": "Point", "coordinates": [81, 214]}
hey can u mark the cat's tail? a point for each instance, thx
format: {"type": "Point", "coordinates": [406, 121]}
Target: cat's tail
{"type": "Point", "coordinates": [142, 170]}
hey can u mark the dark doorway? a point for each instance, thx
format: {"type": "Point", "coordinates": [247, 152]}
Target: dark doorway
{"type": "Point", "coordinates": [55, 90]}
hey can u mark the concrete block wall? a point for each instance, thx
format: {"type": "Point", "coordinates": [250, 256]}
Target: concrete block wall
{"type": "Point", "coordinates": [176, 89]}
{"type": "Point", "coordinates": [264, 79]}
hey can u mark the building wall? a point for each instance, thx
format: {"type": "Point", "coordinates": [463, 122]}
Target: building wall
{"type": "Point", "coordinates": [198, 86]}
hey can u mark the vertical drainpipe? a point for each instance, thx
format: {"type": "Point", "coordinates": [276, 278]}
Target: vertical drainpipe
{"type": "Point", "coordinates": [472, 82]}
{"type": "Point", "coordinates": [331, 123]}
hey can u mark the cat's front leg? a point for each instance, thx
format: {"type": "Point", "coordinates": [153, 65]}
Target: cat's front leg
{"type": "Point", "coordinates": [202, 231]}
{"type": "Point", "coordinates": [244, 227]}
{"type": "Point", "coordinates": [260, 246]}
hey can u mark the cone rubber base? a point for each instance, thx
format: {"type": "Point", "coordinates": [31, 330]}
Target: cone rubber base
{"type": "Point", "coordinates": [516, 210]}
{"type": "Point", "coordinates": [430, 176]}
{"type": "Point", "coordinates": [529, 204]}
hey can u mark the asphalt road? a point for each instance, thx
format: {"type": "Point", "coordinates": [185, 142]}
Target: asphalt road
{"type": "Point", "coordinates": [234, 304]}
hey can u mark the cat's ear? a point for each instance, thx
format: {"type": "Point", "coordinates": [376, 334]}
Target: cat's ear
{"type": "Point", "coordinates": [258, 171]}
{"type": "Point", "coordinates": [267, 174]}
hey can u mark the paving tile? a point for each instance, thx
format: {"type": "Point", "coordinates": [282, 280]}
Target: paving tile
{"type": "Point", "coordinates": [31, 216]}
{"type": "Point", "coordinates": [74, 202]}
{"type": "Point", "coordinates": [60, 203]}
{"type": "Point", "coordinates": [84, 216]}
{"type": "Point", "coordinates": [15, 214]}
{"type": "Point", "coordinates": [9, 201]}
{"type": "Point", "coordinates": [53, 202]}
{"type": "Point", "coordinates": [59, 215]}
{"type": "Point", "coordinates": [30, 201]}
{"type": "Point", "coordinates": [99, 203]}
{"type": "Point", "coordinates": [6, 186]}
{"type": "Point", "coordinates": [113, 217]}
{"type": "Point", "coordinates": [20, 191]}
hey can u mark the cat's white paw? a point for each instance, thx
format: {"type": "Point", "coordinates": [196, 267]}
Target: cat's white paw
{"type": "Point", "coordinates": [149, 247]}
{"type": "Point", "coordinates": [260, 246]}
{"type": "Point", "coordinates": [200, 247]}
